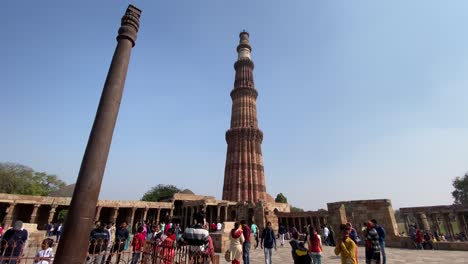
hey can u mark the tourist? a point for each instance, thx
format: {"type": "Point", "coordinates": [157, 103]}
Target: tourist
{"type": "Point", "coordinates": [213, 227]}
{"type": "Point", "coordinates": [315, 246]}
{"type": "Point", "coordinates": [281, 232]}
{"type": "Point", "coordinates": [112, 230]}
{"type": "Point", "coordinates": [137, 244]}
{"type": "Point", "coordinates": [372, 244]}
{"type": "Point", "coordinates": [267, 242]}
{"type": "Point", "coordinates": [157, 233]}
{"type": "Point", "coordinates": [219, 226]}
{"type": "Point", "coordinates": [121, 236]}
{"type": "Point", "coordinates": [237, 239]}
{"type": "Point", "coordinates": [299, 253]}
{"type": "Point", "coordinates": [13, 242]}
{"type": "Point", "coordinates": [254, 230]}
{"type": "Point", "coordinates": [246, 245]}
{"type": "Point", "coordinates": [209, 251]}
{"type": "Point", "coordinates": [346, 247]}
{"type": "Point", "coordinates": [331, 236]}
{"type": "Point", "coordinates": [177, 231]}
{"type": "Point", "coordinates": [168, 245]}
{"type": "Point", "coordinates": [109, 244]}
{"type": "Point", "coordinates": [354, 236]}
{"type": "Point", "coordinates": [58, 232]}
{"type": "Point", "coordinates": [45, 255]}
{"type": "Point", "coordinates": [412, 232]}
{"type": "Point", "coordinates": [49, 229]}
{"type": "Point", "coordinates": [382, 234]}
{"type": "Point", "coordinates": [98, 241]}
{"type": "Point", "coordinates": [325, 234]}
{"type": "Point", "coordinates": [428, 243]}
{"type": "Point", "coordinates": [145, 228]}
{"type": "Point", "coordinates": [419, 239]}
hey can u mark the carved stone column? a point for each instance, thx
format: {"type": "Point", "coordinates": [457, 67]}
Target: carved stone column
{"type": "Point", "coordinates": [33, 218]}
{"type": "Point", "coordinates": [226, 213]}
{"type": "Point", "coordinates": [448, 226]}
{"type": "Point", "coordinates": [407, 224]}
{"type": "Point", "coordinates": [218, 212]}
{"type": "Point", "coordinates": [132, 218]}
{"type": "Point", "coordinates": [145, 213]}
{"type": "Point", "coordinates": [115, 214]}
{"type": "Point", "coordinates": [52, 213]}
{"type": "Point", "coordinates": [435, 223]}
{"type": "Point", "coordinates": [192, 212]}
{"type": "Point", "coordinates": [158, 216]}
{"type": "Point", "coordinates": [9, 216]}
{"type": "Point", "coordinates": [462, 223]}
{"type": "Point", "coordinates": [423, 219]}
{"type": "Point", "coordinates": [98, 214]}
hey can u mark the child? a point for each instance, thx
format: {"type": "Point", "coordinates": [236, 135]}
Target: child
{"type": "Point", "coordinates": [137, 243]}
{"type": "Point", "coordinates": [45, 256]}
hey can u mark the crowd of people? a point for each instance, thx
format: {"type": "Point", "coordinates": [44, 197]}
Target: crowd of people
{"type": "Point", "coordinates": [108, 241]}
{"type": "Point", "coordinates": [345, 243]}
{"type": "Point", "coordinates": [425, 239]}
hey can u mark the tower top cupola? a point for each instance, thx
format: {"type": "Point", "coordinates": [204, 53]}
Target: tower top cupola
{"type": "Point", "coordinates": [244, 48]}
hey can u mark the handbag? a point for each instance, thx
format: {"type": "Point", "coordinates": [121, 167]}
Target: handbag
{"type": "Point", "coordinates": [227, 255]}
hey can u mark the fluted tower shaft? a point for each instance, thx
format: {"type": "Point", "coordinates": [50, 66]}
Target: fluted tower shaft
{"type": "Point", "coordinates": [244, 177]}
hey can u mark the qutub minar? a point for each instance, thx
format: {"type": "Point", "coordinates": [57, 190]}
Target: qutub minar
{"type": "Point", "coordinates": [244, 177]}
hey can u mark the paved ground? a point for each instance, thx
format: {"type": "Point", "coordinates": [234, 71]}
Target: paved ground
{"type": "Point", "coordinates": [283, 256]}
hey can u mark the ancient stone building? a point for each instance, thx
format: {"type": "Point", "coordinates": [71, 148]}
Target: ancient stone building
{"type": "Point", "coordinates": [244, 178]}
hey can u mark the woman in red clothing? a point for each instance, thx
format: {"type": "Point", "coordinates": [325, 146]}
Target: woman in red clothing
{"type": "Point", "coordinates": [419, 239]}
{"type": "Point", "coordinates": [137, 243]}
{"type": "Point", "coordinates": [168, 246]}
{"type": "Point", "coordinates": [315, 246]}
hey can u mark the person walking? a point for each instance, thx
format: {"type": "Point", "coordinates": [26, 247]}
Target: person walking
{"type": "Point", "coordinates": [237, 239]}
{"type": "Point", "coordinates": [267, 242]}
{"type": "Point", "coordinates": [381, 232]}
{"type": "Point", "coordinates": [254, 230]}
{"type": "Point", "coordinates": [372, 244]}
{"type": "Point", "coordinates": [246, 245]}
{"type": "Point", "coordinates": [315, 246]}
{"type": "Point", "coordinates": [281, 232]}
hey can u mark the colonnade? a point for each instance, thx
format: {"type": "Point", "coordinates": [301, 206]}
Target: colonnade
{"type": "Point", "coordinates": [433, 220]}
{"type": "Point", "coordinates": [300, 220]}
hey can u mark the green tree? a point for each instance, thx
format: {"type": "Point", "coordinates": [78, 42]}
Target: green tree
{"type": "Point", "coordinates": [62, 215]}
{"type": "Point", "coordinates": [280, 198]}
{"type": "Point", "coordinates": [296, 209]}
{"type": "Point", "coordinates": [460, 194]}
{"type": "Point", "coordinates": [20, 179]}
{"type": "Point", "coordinates": [160, 192]}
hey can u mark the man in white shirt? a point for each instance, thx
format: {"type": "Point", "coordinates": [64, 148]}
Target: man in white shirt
{"type": "Point", "coordinates": [326, 232]}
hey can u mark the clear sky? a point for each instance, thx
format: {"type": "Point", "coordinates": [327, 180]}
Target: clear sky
{"type": "Point", "coordinates": [357, 99]}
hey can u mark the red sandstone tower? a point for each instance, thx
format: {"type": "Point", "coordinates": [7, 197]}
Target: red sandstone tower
{"type": "Point", "coordinates": [244, 178]}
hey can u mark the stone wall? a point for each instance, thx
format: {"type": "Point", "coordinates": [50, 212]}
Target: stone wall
{"type": "Point", "coordinates": [361, 211]}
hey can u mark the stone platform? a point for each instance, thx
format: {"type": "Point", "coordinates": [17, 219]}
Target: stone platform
{"type": "Point", "coordinates": [394, 255]}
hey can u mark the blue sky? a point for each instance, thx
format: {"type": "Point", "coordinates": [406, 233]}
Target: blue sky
{"type": "Point", "coordinates": [357, 99]}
